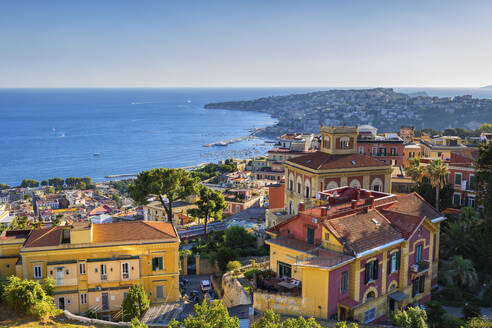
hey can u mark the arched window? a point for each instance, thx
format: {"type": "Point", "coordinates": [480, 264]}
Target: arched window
{"type": "Point", "coordinates": [377, 184]}
{"type": "Point", "coordinates": [355, 183]}
{"type": "Point", "coordinates": [290, 207]}
{"type": "Point", "coordinates": [307, 189]}
{"type": "Point", "coordinates": [299, 185]}
{"type": "Point", "coordinates": [332, 185]}
{"type": "Point", "coordinates": [344, 142]}
{"type": "Point", "coordinates": [370, 296]}
{"type": "Point", "coordinates": [326, 142]}
{"type": "Point", "coordinates": [291, 182]}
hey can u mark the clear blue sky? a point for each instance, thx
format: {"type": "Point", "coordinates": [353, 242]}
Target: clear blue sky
{"type": "Point", "coordinates": [245, 43]}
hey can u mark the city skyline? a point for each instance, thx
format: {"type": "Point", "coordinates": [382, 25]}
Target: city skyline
{"type": "Point", "coordinates": [254, 44]}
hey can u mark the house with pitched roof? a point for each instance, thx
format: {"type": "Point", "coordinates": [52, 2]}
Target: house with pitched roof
{"type": "Point", "coordinates": [336, 164]}
{"type": "Point", "coordinates": [93, 265]}
{"type": "Point", "coordinates": [359, 255]}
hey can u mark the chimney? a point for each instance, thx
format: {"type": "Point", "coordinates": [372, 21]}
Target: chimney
{"type": "Point", "coordinates": [301, 206]}
{"type": "Point", "coordinates": [354, 203]}
{"type": "Point", "coordinates": [357, 194]}
{"type": "Point", "coordinates": [324, 211]}
{"type": "Point", "coordinates": [371, 201]}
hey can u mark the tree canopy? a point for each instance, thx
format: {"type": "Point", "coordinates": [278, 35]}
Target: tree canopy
{"type": "Point", "coordinates": [4, 186]}
{"type": "Point", "coordinates": [135, 303]}
{"type": "Point", "coordinates": [272, 320]}
{"type": "Point", "coordinates": [29, 183]}
{"type": "Point", "coordinates": [214, 315]}
{"type": "Point", "coordinates": [174, 184]}
{"type": "Point", "coordinates": [412, 317]}
{"type": "Point", "coordinates": [209, 206]}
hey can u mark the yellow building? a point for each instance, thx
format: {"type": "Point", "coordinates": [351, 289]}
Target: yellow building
{"type": "Point", "coordinates": [94, 265]}
{"type": "Point", "coordinates": [359, 257]}
{"type": "Point", "coordinates": [337, 164]}
{"type": "Point", "coordinates": [441, 147]}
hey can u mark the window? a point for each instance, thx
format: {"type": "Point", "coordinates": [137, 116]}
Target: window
{"type": "Point", "coordinates": [361, 150]}
{"type": "Point", "coordinates": [37, 271]}
{"type": "Point", "coordinates": [394, 262]}
{"type": "Point", "coordinates": [471, 201]}
{"type": "Point", "coordinates": [418, 254]}
{"type": "Point", "coordinates": [393, 151]}
{"type": "Point", "coordinates": [291, 185]}
{"type": "Point", "coordinates": [299, 188]}
{"type": "Point", "coordinates": [157, 264]}
{"type": "Point", "coordinates": [327, 236]}
{"type": "Point", "coordinates": [344, 143]}
{"type": "Point", "coordinates": [307, 192]}
{"type": "Point", "coordinates": [374, 150]}
{"type": "Point", "coordinates": [326, 142]}
{"type": "Point", "coordinates": [375, 187]}
{"type": "Point", "coordinates": [382, 151]}
{"type": "Point", "coordinates": [457, 199]}
{"type": "Point", "coordinates": [472, 182]}
{"type": "Point", "coordinates": [82, 268]}
{"type": "Point", "coordinates": [159, 292]}
{"type": "Point", "coordinates": [83, 298]}
{"type": "Point", "coordinates": [457, 178]}
{"type": "Point", "coordinates": [370, 315]}
{"type": "Point", "coordinates": [284, 269]}
{"type": "Point", "coordinates": [418, 285]}
{"type": "Point", "coordinates": [344, 282]}
{"type": "Point", "coordinates": [372, 269]}
{"type": "Point", "coordinates": [65, 236]}
{"type": "Point", "coordinates": [104, 275]}
{"type": "Point", "coordinates": [125, 294]}
{"type": "Point", "coordinates": [124, 271]}
{"type": "Point", "coordinates": [310, 235]}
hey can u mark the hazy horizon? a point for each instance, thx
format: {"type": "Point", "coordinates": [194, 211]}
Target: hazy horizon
{"type": "Point", "coordinates": [255, 44]}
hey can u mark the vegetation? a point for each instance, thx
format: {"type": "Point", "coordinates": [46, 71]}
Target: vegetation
{"type": "Point", "coordinates": [272, 320]}
{"type": "Point", "coordinates": [412, 317]}
{"type": "Point", "coordinates": [22, 223]}
{"type": "Point", "coordinates": [233, 265]}
{"type": "Point", "coordinates": [470, 311]}
{"type": "Point", "coordinates": [212, 170]}
{"type": "Point", "coordinates": [29, 183]}
{"type": "Point", "coordinates": [137, 324]}
{"type": "Point", "coordinates": [30, 298]}
{"type": "Point", "coordinates": [121, 185]}
{"type": "Point", "coordinates": [4, 186]}
{"type": "Point", "coordinates": [214, 315]}
{"type": "Point", "coordinates": [436, 173]}
{"type": "Point", "coordinates": [435, 313]}
{"type": "Point", "coordinates": [56, 182]}
{"type": "Point", "coordinates": [478, 322]}
{"type": "Point", "coordinates": [174, 184]}
{"type": "Point", "coordinates": [460, 132]}
{"type": "Point", "coordinates": [343, 324]}
{"type": "Point", "coordinates": [209, 206]}
{"type": "Point", "coordinates": [460, 271]}
{"type": "Point", "coordinates": [135, 303]}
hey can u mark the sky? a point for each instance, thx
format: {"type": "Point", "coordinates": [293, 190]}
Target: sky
{"type": "Point", "coordinates": [245, 43]}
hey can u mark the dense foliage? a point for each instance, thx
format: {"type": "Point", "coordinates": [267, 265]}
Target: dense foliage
{"type": "Point", "coordinates": [29, 183]}
{"type": "Point", "coordinates": [212, 170]}
{"type": "Point", "coordinates": [214, 315]}
{"type": "Point", "coordinates": [272, 320]}
{"type": "Point", "coordinates": [174, 184]}
{"type": "Point", "coordinates": [209, 206]}
{"type": "Point", "coordinates": [4, 186]}
{"type": "Point", "coordinates": [137, 324]}
{"type": "Point", "coordinates": [135, 303]}
{"type": "Point", "coordinates": [412, 317]}
{"type": "Point", "coordinates": [121, 185]}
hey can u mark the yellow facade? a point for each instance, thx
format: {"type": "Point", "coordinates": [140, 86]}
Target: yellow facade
{"type": "Point", "coordinates": [91, 275]}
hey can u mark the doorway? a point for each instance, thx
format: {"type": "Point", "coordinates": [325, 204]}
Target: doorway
{"type": "Point", "coordinates": [61, 303]}
{"type": "Point", "coordinates": [105, 301]}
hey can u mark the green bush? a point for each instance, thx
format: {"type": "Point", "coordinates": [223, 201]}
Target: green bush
{"type": "Point", "coordinates": [135, 303]}
{"type": "Point", "coordinates": [137, 324]}
{"type": "Point", "coordinates": [249, 274]}
{"type": "Point", "coordinates": [478, 322]}
{"type": "Point", "coordinates": [343, 324]}
{"type": "Point", "coordinates": [412, 317]}
{"type": "Point", "coordinates": [224, 255]}
{"type": "Point", "coordinates": [233, 265]}
{"type": "Point", "coordinates": [29, 297]}
{"type": "Point", "coordinates": [452, 322]}
{"type": "Point", "coordinates": [435, 313]}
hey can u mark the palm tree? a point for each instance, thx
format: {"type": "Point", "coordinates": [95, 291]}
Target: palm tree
{"type": "Point", "coordinates": [460, 271]}
{"type": "Point", "coordinates": [415, 171]}
{"type": "Point", "coordinates": [455, 238]}
{"type": "Point", "coordinates": [436, 173]}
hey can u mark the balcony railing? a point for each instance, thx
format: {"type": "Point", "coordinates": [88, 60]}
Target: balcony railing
{"type": "Point", "coordinates": [66, 282]}
{"type": "Point", "coordinates": [420, 267]}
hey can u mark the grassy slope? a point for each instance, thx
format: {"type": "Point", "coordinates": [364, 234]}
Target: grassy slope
{"type": "Point", "coordinates": [10, 319]}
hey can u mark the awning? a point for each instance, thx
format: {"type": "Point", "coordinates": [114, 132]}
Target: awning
{"type": "Point", "coordinates": [398, 296]}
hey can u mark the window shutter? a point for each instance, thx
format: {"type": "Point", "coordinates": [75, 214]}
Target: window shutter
{"type": "Point", "coordinates": [376, 269]}
{"type": "Point", "coordinates": [422, 284]}
{"type": "Point", "coordinates": [398, 259]}
{"type": "Point", "coordinates": [414, 287]}
{"type": "Point", "coordinates": [154, 265]}
{"type": "Point", "coordinates": [389, 264]}
{"type": "Point", "coordinates": [160, 263]}
{"type": "Point", "coordinates": [368, 267]}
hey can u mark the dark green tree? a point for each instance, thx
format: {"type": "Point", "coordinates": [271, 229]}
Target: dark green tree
{"type": "Point", "coordinates": [29, 183]}
{"type": "Point", "coordinates": [412, 317]}
{"type": "Point", "coordinates": [205, 316]}
{"type": "Point", "coordinates": [4, 186]}
{"type": "Point", "coordinates": [22, 223]}
{"type": "Point", "coordinates": [238, 237]}
{"type": "Point", "coordinates": [135, 303]}
{"type": "Point", "coordinates": [174, 184]}
{"type": "Point", "coordinates": [44, 183]}
{"type": "Point", "coordinates": [56, 182]}
{"type": "Point", "coordinates": [209, 206]}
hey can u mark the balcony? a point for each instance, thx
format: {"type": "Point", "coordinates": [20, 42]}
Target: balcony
{"type": "Point", "coordinates": [420, 267]}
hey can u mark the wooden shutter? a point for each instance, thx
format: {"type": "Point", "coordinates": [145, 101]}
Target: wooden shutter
{"type": "Point", "coordinates": [368, 267]}
{"type": "Point", "coordinates": [160, 263]}
{"type": "Point", "coordinates": [414, 287]}
{"type": "Point", "coordinates": [376, 269]}
{"type": "Point", "coordinates": [422, 284]}
{"type": "Point", "coordinates": [398, 259]}
{"type": "Point", "coordinates": [389, 264]}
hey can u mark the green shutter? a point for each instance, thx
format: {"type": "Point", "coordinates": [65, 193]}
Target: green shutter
{"type": "Point", "coordinates": [398, 259]}
{"type": "Point", "coordinates": [415, 284]}
{"type": "Point", "coordinates": [154, 264]}
{"type": "Point", "coordinates": [376, 269]}
{"type": "Point", "coordinates": [422, 284]}
{"type": "Point", "coordinates": [160, 263]}
{"type": "Point", "coordinates": [472, 182]}
{"type": "Point", "coordinates": [389, 265]}
{"type": "Point", "coordinates": [368, 267]}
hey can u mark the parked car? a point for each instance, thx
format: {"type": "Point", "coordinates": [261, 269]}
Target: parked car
{"type": "Point", "coordinates": [205, 286]}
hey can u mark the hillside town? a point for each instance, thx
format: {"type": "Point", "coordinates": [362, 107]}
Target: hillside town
{"type": "Point", "coordinates": [341, 225]}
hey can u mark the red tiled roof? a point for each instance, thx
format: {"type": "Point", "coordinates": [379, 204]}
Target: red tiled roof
{"type": "Point", "coordinates": [405, 223]}
{"type": "Point", "coordinates": [413, 204]}
{"type": "Point", "coordinates": [130, 231]}
{"type": "Point", "coordinates": [323, 161]}
{"type": "Point", "coordinates": [359, 231]}
{"type": "Point", "coordinates": [44, 237]}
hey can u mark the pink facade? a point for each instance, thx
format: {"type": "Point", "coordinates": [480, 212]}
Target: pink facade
{"type": "Point", "coordinates": [334, 289]}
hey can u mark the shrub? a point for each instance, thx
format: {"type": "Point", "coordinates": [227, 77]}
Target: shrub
{"type": "Point", "coordinates": [343, 324]}
{"type": "Point", "coordinates": [135, 303]}
{"type": "Point", "coordinates": [479, 322]}
{"type": "Point", "coordinates": [412, 317]}
{"type": "Point", "coordinates": [91, 314]}
{"type": "Point", "coordinates": [435, 313]}
{"type": "Point", "coordinates": [470, 310]}
{"type": "Point", "coordinates": [137, 324]}
{"type": "Point", "coordinates": [487, 295]}
{"type": "Point", "coordinates": [224, 256]}
{"type": "Point", "coordinates": [452, 322]}
{"type": "Point", "coordinates": [233, 265]}
{"type": "Point", "coordinates": [249, 274]}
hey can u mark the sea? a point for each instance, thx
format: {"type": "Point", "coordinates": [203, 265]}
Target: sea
{"type": "Point", "coordinates": [47, 133]}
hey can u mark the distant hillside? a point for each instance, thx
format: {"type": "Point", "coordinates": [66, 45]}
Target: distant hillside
{"type": "Point", "coordinates": [381, 107]}
{"type": "Point", "coordinates": [487, 87]}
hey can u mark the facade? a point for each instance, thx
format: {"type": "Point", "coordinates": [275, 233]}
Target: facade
{"type": "Point", "coordinates": [407, 133]}
{"type": "Point", "coordinates": [441, 148]}
{"type": "Point", "coordinates": [411, 151]}
{"type": "Point", "coordinates": [94, 265]}
{"type": "Point", "coordinates": [336, 164]}
{"type": "Point", "coordinates": [242, 199]}
{"type": "Point", "coordinates": [155, 212]}
{"type": "Point", "coordinates": [462, 177]}
{"type": "Point", "coordinates": [359, 256]}
{"type": "Point", "coordinates": [388, 149]}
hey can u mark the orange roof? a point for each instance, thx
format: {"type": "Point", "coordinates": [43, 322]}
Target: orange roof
{"type": "Point", "coordinates": [323, 161]}
{"type": "Point", "coordinates": [44, 237]}
{"type": "Point", "coordinates": [128, 231]}
{"type": "Point", "coordinates": [413, 204]}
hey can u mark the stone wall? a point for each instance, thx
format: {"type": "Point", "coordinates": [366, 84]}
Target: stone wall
{"type": "Point", "coordinates": [234, 293]}
{"type": "Point", "coordinates": [277, 302]}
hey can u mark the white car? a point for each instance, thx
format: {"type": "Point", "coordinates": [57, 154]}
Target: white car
{"type": "Point", "coordinates": [205, 285]}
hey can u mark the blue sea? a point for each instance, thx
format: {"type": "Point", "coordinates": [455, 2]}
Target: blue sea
{"type": "Point", "coordinates": [48, 133]}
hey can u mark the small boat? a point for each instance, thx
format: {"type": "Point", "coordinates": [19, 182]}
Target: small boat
{"type": "Point", "coordinates": [188, 101]}
{"type": "Point", "coordinates": [96, 154]}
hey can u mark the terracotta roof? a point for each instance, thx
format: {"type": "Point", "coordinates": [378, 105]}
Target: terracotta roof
{"type": "Point", "coordinates": [44, 237]}
{"type": "Point", "coordinates": [323, 161]}
{"type": "Point", "coordinates": [363, 231]}
{"type": "Point", "coordinates": [128, 231]}
{"type": "Point", "coordinates": [413, 204]}
{"type": "Point", "coordinates": [404, 223]}
{"type": "Point", "coordinates": [327, 258]}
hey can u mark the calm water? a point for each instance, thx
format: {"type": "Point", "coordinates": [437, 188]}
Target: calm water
{"type": "Point", "coordinates": [55, 132]}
